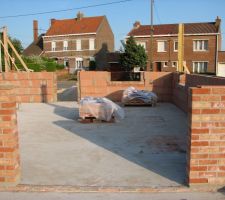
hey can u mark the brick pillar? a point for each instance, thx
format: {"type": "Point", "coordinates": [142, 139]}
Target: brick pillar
{"type": "Point", "coordinates": [9, 154]}
{"type": "Point", "coordinates": [206, 158]}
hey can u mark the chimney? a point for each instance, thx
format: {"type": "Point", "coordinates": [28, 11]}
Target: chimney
{"type": "Point", "coordinates": [52, 21]}
{"type": "Point", "coordinates": [137, 24]}
{"type": "Point", "coordinates": [80, 15]}
{"type": "Point", "coordinates": [218, 23]}
{"type": "Point", "coordinates": [35, 30]}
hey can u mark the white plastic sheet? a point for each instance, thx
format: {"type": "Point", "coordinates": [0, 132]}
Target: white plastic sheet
{"type": "Point", "coordinates": [131, 93]}
{"type": "Point", "coordinates": [101, 108]}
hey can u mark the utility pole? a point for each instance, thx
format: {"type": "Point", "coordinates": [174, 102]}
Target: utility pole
{"type": "Point", "coordinates": [151, 37]}
{"type": "Point", "coordinates": [0, 53]}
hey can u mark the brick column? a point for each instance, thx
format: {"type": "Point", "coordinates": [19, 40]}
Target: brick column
{"type": "Point", "coordinates": [206, 158]}
{"type": "Point", "coordinates": [9, 154]}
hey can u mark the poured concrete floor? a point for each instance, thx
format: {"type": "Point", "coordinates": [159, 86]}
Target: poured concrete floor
{"type": "Point", "coordinates": [147, 148]}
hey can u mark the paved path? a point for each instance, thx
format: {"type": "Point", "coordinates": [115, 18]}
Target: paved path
{"type": "Point", "coordinates": [111, 196]}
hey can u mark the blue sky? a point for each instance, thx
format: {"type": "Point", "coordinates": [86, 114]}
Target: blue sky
{"type": "Point", "coordinates": [121, 16]}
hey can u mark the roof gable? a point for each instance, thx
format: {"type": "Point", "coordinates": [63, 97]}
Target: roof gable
{"type": "Point", "coordinates": [75, 26]}
{"type": "Point", "coordinates": [169, 29]}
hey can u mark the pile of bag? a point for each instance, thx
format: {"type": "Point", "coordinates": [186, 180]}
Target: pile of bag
{"type": "Point", "coordinates": [100, 108]}
{"type": "Point", "coordinates": [144, 96]}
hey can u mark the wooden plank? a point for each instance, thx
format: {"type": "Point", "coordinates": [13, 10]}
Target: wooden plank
{"type": "Point", "coordinates": [5, 46]}
{"type": "Point", "coordinates": [11, 58]}
{"type": "Point", "coordinates": [18, 56]}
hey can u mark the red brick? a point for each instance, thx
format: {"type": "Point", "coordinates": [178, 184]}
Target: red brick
{"type": "Point", "coordinates": [223, 98]}
{"type": "Point", "coordinates": [200, 131]}
{"type": "Point", "coordinates": [200, 143]}
{"type": "Point", "coordinates": [7, 112]}
{"type": "Point", "coordinates": [195, 111]}
{"type": "Point", "coordinates": [210, 111]}
{"type": "Point", "coordinates": [199, 156]}
{"type": "Point", "coordinates": [222, 155]}
{"type": "Point", "coordinates": [201, 91]}
{"type": "Point", "coordinates": [198, 180]}
{"type": "Point", "coordinates": [219, 130]}
{"type": "Point", "coordinates": [218, 91]}
{"type": "Point", "coordinates": [2, 179]}
{"type": "Point", "coordinates": [207, 162]}
{"type": "Point", "coordinates": [8, 105]}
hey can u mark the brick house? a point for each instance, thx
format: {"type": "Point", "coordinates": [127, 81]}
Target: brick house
{"type": "Point", "coordinates": [75, 42]}
{"type": "Point", "coordinates": [202, 44]}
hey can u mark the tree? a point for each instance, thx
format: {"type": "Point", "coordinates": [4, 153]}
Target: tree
{"type": "Point", "coordinates": [17, 44]}
{"type": "Point", "coordinates": [133, 55]}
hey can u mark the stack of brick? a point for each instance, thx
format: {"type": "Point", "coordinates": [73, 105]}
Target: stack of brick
{"type": "Point", "coordinates": [9, 147]}
{"type": "Point", "coordinates": [206, 156]}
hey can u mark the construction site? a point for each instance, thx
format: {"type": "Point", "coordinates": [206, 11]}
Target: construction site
{"type": "Point", "coordinates": [48, 143]}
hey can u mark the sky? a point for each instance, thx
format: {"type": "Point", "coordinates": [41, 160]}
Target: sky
{"type": "Point", "coordinates": [120, 16]}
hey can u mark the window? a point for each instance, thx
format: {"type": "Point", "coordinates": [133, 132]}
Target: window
{"type": "Point", "coordinates": [65, 45]}
{"type": "Point", "coordinates": [165, 64]}
{"type": "Point", "coordinates": [143, 44]}
{"type": "Point", "coordinates": [53, 46]}
{"type": "Point", "coordinates": [161, 46]}
{"type": "Point", "coordinates": [66, 63]}
{"type": "Point", "coordinates": [79, 63]}
{"type": "Point", "coordinates": [175, 46]}
{"type": "Point", "coordinates": [200, 45]}
{"type": "Point", "coordinates": [91, 44]}
{"type": "Point", "coordinates": [200, 67]}
{"type": "Point", "coordinates": [78, 43]}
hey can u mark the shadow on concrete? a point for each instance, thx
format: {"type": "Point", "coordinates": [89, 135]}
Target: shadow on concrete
{"type": "Point", "coordinates": [67, 91]}
{"type": "Point", "coordinates": [136, 146]}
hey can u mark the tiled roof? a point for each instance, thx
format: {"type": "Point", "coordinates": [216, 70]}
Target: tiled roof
{"type": "Point", "coordinates": [75, 26]}
{"type": "Point", "coordinates": [165, 29]}
{"type": "Point", "coordinates": [35, 48]}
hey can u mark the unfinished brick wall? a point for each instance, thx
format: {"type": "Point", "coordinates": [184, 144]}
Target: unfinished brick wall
{"type": "Point", "coordinates": [206, 158]}
{"type": "Point", "coordinates": [9, 149]}
{"type": "Point", "coordinates": [33, 86]}
{"type": "Point", "coordinates": [98, 84]}
{"type": "Point", "coordinates": [182, 83]}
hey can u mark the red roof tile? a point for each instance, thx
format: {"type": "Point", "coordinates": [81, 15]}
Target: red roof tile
{"type": "Point", "coordinates": [165, 29]}
{"type": "Point", "coordinates": [75, 26]}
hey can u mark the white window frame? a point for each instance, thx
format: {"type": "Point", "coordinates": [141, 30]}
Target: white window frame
{"type": "Point", "coordinates": [79, 63]}
{"type": "Point", "coordinates": [158, 47]}
{"type": "Point", "coordinates": [174, 42]}
{"type": "Point", "coordinates": [200, 45]}
{"type": "Point", "coordinates": [65, 45]}
{"type": "Point", "coordinates": [91, 44]}
{"type": "Point", "coordinates": [53, 46]}
{"type": "Point", "coordinates": [78, 45]}
{"type": "Point", "coordinates": [199, 70]}
{"type": "Point", "coordinates": [142, 43]}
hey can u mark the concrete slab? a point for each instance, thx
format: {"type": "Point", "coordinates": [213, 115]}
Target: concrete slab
{"type": "Point", "coordinates": [147, 148]}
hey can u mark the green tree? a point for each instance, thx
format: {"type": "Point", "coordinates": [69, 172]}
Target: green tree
{"type": "Point", "coordinates": [17, 44]}
{"type": "Point", "coordinates": [133, 55]}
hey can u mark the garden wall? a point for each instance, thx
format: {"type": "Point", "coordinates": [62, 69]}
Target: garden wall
{"type": "Point", "coordinates": [182, 83]}
{"type": "Point", "coordinates": [32, 87]}
{"type": "Point", "coordinates": [206, 153]}
{"type": "Point", "coordinates": [99, 84]}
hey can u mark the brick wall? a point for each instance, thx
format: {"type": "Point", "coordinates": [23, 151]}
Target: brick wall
{"type": "Point", "coordinates": [32, 87]}
{"type": "Point", "coordinates": [206, 158]}
{"type": "Point", "coordinates": [9, 152]}
{"type": "Point", "coordinates": [98, 84]}
{"type": "Point", "coordinates": [181, 84]}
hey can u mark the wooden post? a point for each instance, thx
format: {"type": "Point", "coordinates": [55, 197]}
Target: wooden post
{"type": "Point", "coordinates": [5, 43]}
{"type": "Point", "coordinates": [18, 56]}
